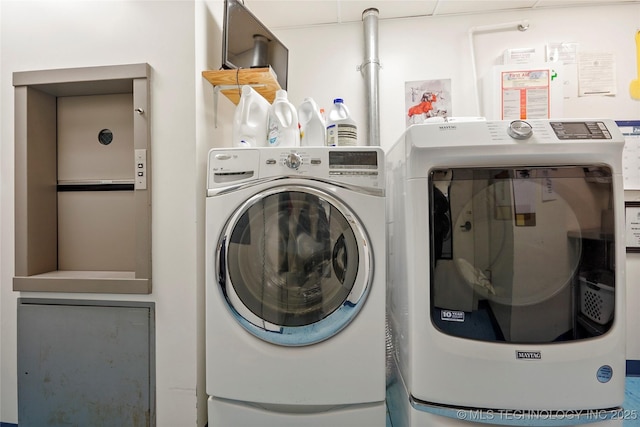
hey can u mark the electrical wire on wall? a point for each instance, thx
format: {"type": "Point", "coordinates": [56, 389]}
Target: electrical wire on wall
{"type": "Point", "coordinates": [519, 25]}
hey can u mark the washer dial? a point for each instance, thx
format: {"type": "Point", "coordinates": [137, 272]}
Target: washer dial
{"type": "Point", "coordinates": [293, 161]}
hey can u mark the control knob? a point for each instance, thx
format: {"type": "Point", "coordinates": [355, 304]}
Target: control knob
{"type": "Point", "coordinates": [519, 129]}
{"type": "Point", "coordinates": [293, 161]}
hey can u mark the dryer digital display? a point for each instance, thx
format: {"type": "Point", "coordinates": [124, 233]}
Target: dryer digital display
{"type": "Point", "coordinates": [580, 130]}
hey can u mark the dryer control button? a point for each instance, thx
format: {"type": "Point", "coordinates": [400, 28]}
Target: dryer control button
{"type": "Point", "coordinates": [519, 129]}
{"type": "Point", "coordinates": [293, 161]}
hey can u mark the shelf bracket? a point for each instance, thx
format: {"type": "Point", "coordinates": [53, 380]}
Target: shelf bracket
{"type": "Point", "coordinates": [216, 91]}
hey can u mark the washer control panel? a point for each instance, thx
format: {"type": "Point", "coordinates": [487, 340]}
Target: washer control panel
{"type": "Point", "coordinates": [327, 161]}
{"type": "Point", "coordinates": [356, 166]}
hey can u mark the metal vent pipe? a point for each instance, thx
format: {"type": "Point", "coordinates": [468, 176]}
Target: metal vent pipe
{"type": "Point", "coordinates": [370, 68]}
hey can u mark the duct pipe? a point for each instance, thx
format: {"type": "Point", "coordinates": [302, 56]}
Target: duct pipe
{"type": "Point", "coordinates": [370, 68]}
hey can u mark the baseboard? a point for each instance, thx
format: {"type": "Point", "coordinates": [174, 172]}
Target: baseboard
{"type": "Point", "coordinates": [633, 368]}
{"type": "Point", "coordinates": [8, 424]}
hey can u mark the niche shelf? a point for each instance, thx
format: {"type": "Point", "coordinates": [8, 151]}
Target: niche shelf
{"type": "Point", "coordinates": [82, 180]}
{"type": "Point", "coordinates": [263, 80]}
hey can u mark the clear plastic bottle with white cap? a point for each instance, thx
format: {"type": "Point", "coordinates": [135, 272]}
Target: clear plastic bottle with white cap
{"type": "Point", "coordinates": [341, 128]}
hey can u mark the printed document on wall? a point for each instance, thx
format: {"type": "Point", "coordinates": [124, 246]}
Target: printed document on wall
{"type": "Point", "coordinates": [525, 94]}
{"type": "Point", "coordinates": [596, 74]}
{"type": "Point", "coordinates": [631, 153]}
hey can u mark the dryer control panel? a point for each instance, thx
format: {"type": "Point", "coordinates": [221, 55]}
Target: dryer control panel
{"type": "Point", "coordinates": [353, 166]}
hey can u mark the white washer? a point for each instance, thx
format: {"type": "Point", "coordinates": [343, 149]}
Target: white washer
{"type": "Point", "coordinates": [295, 286]}
{"type": "Point", "coordinates": [506, 273]}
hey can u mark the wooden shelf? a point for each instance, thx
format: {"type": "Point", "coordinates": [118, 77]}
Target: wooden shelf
{"type": "Point", "coordinates": [229, 82]}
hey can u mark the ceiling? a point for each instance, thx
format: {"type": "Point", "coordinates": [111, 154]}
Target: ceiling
{"type": "Point", "coordinates": [300, 13]}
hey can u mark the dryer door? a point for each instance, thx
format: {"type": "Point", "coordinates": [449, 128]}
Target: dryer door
{"type": "Point", "coordinates": [294, 265]}
{"type": "Point", "coordinates": [525, 255]}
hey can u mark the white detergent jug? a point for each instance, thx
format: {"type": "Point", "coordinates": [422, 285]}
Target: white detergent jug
{"type": "Point", "coordinates": [283, 128]}
{"type": "Point", "coordinates": [341, 128]}
{"type": "Point", "coordinates": [250, 119]}
{"type": "Point", "coordinates": [312, 126]}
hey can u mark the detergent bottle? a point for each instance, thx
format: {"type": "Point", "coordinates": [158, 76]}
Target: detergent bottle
{"type": "Point", "coordinates": [341, 128]}
{"type": "Point", "coordinates": [250, 119]}
{"type": "Point", "coordinates": [282, 127]}
{"type": "Point", "coordinates": [312, 126]}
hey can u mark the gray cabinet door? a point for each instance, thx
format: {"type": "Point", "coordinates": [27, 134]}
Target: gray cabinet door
{"type": "Point", "coordinates": [85, 363]}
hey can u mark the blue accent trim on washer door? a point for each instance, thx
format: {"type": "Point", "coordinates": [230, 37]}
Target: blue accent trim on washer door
{"type": "Point", "coordinates": [296, 336]}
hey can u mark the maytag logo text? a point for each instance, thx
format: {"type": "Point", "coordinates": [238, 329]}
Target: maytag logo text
{"type": "Point", "coordinates": [528, 355]}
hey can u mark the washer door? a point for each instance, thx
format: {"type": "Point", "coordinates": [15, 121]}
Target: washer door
{"type": "Point", "coordinates": [294, 265]}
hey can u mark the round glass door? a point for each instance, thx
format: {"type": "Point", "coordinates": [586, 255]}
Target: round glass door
{"type": "Point", "coordinates": [530, 255]}
{"type": "Point", "coordinates": [294, 265]}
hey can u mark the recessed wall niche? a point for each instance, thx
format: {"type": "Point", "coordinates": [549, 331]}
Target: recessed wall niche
{"type": "Point", "coordinates": [82, 180]}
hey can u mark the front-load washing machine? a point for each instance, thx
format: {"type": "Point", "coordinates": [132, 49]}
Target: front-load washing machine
{"type": "Point", "coordinates": [295, 286]}
{"type": "Point", "coordinates": [506, 273]}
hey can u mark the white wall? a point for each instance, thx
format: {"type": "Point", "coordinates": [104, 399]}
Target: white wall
{"type": "Point", "coordinates": [45, 35]}
{"type": "Point", "coordinates": [323, 59]}
{"type": "Point", "coordinates": [209, 17]}
{"type": "Point", "coordinates": [180, 39]}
